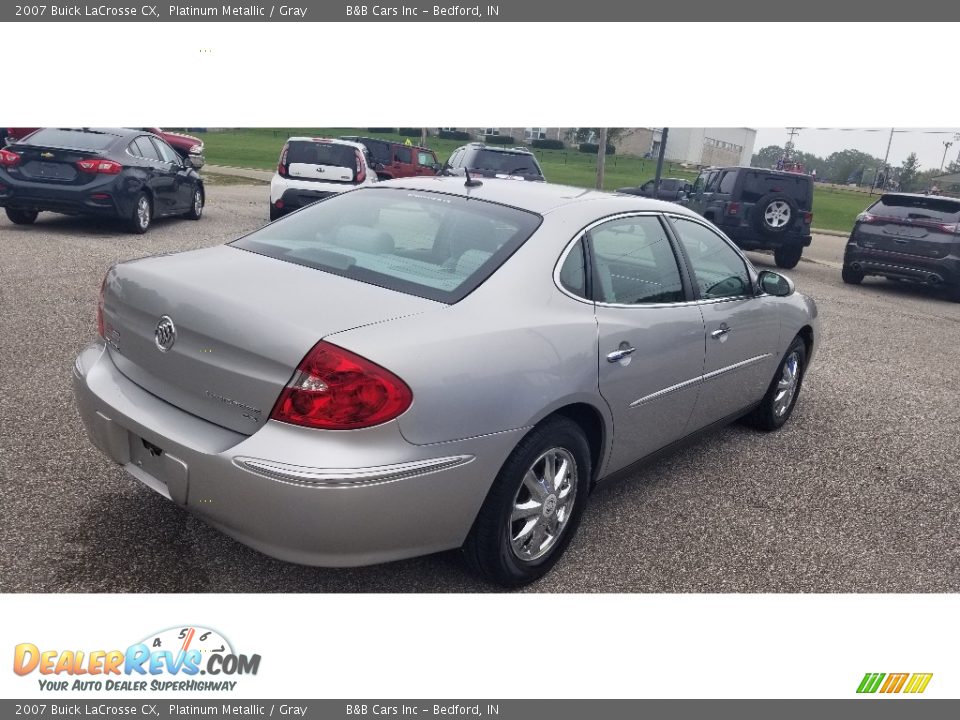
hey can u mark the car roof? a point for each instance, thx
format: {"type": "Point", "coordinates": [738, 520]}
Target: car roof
{"type": "Point", "coordinates": [332, 141]}
{"type": "Point", "coordinates": [784, 173]}
{"type": "Point", "coordinates": [498, 148]}
{"type": "Point", "coordinates": [919, 195]}
{"type": "Point", "coordinates": [538, 197]}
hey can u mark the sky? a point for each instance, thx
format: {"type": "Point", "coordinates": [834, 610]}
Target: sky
{"type": "Point", "coordinates": [926, 142]}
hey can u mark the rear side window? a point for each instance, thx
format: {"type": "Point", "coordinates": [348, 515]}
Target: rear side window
{"type": "Point", "coordinates": [727, 181]}
{"type": "Point", "coordinates": [798, 187]}
{"type": "Point", "coordinates": [403, 154]}
{"type": "Point", "coordinates": [439, 247]}
{"type": "Point", "coordinates": [73, 139]}
{"type": "Point", "coordinates": [321, 153]}
{"type": "Point", "coordinates": [908, 207]}
{"type": "Point", "coordinates": [505, 162]}
{"type": "Point", "coordinates": [145, 148]}
{"type": "Point", "coordinates": [634, 263]}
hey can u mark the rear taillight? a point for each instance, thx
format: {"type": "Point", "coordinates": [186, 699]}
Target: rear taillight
{"type": "Point", "coordinates": [282, 169]}
{"type": "Point", "coordinates": [334, 389]}
{"type": "Point", "coordinates": [8, 158]}
{"type": "Point", "coordinates": [808, 218]}
{"type": "Point", "coordinates": [866, 217]}
{"type": "Point", "coordinates": [361, 170]}
{"type": "Point", "coordinates": [99, 166]}
{"type": "Point", "coordinates": [100, 327]}
{"type": "Point", "coordinates": [733, 208]}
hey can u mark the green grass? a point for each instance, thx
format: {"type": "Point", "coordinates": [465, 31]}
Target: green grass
{"type": "Point", "coordinates": [259, 148]}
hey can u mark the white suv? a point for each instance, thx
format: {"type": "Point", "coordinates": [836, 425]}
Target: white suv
{"type": "Point", "coordinates": [311, 169]}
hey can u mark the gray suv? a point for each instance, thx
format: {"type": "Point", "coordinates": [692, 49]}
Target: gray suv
{"type": "Point", "coordinates": [907, 237]}
{"type": "Point", "coordinates": [758, 209]}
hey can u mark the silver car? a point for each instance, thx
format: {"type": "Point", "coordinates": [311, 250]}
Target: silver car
{"type": "Point", "coordinates": [430, 363]}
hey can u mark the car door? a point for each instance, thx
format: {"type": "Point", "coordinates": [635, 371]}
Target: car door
{"type": "Point", "coordinates": [741, 328]}
{"type": "Point", "coordinates": [426, 163]}
{"type": "Point", "coordinates": [650, 334]}
{"type": "Point", "coordinates": [695, 199]}
{"type": "Point", "coordinates": [181, 195]}
{"type": "Point", "coordinates": [153, 168]}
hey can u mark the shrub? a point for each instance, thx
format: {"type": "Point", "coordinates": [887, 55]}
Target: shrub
{"type": "Point", "coordinates": [454, 135]}
{"type": "Point", "coordinates": [547, 144]}
{"type": "Point", "coordinates": [410, 132]}
{"type": "Point", "coordinates": [593, 147]}
{"type": "Point", "coordinates": [501, 140]}
{"type": "Point", "coordinates": [382, 131]}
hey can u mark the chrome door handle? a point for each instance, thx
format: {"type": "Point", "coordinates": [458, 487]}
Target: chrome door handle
{"type": "Point", "coordinates": [720, 331]}
{"type": "Point", "coordinates": [618, 355]}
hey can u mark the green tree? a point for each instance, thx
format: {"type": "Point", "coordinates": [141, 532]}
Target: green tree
{"type": "Point", "coordinates": [910, 173]}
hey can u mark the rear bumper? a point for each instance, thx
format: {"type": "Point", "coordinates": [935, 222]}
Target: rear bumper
{"type": "Point", "coordinates": [374, 497]}
{"type": "Point", "coordinates": [21, 195]}
{"type": "Point", "coordinates": [748, 238]}
{"type": "Point", "coordinates": [900, 266]}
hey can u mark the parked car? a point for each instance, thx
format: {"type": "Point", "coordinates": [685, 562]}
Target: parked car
{"type": "Point", "coordinates": [115, 172]}
{"type": "Point", "coordinates": [671, 189]}
{"type": "Point", "coordinates": [430, 363]}
{"type": "Point", "coordinates": [758, 209]}
{"type": "Point", "coordinates": [312, 169]}
{"type": "Point", "coordinates": [185, 145]}
{"type": "Point", "coordinates": [493, 161]}
{"type": "Point", "coordinates": [395, 160]}
{"type": "Point", "coordinates": [910, 237]}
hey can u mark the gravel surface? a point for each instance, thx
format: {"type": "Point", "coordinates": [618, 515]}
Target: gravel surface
{"type": "Point", "coordinates": [858, 493]}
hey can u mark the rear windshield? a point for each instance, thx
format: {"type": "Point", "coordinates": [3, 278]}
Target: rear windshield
{"type": "Point", "coordinates": [505, 162]}
{"type": "Point", "coordinates": [72, 139]}
{"type": "Point", "coordinates": [322, 153]}
{"type": "Point", "coordinates": [436, 246]}
{"type": "Point", "coordinates": [907, 207]}
{"type": "Point", "coordinates": [798, 187]}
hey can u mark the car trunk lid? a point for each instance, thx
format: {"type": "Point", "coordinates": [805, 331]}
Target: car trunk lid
{"type": "Point", "coordinates": [322, 161]}
{"type": "Point", "coordinates": [241, 323]}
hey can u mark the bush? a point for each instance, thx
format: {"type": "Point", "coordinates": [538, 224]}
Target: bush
{"type": "Point", "coordinates": [592, 148]}
{"type": "Point", "coordinates": [410, 132]}
{"type": "Point", "coordinates": [501, 140]}
{"type": "Point", "coordinates": [547, 144]}
{"type": "Point", "coordinates": [454, 135]}
{"type": "Point", "coordinates": [382, 131]}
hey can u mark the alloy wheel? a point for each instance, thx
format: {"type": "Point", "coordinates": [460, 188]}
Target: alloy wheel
{"type": "Point", "coordinates": [543, 504]}
{"type": "Point", "coordinates": [787, 385]}
{"type": "Point", "coordinates": [777, 214]}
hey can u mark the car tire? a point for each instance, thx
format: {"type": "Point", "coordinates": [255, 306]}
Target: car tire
{"type": "Point", "coordinates": [22, 217]}
{"type": "Point", "coordinates": [774, 214]}
{"type": "Point", "coordinates": [196, 206]}
{"type": "Point", "coordinates": [787, 256]}
{"type": "Point", "coordinates": [851, 276]}
{"type": "Point", "coordinates": [142, 216]}
{"type": "Point", "coordinates": [275, 213]}
{"type": "Point", "coordinates": [502, 545]}
{"type": "Point", "coordinates": [781, 397]}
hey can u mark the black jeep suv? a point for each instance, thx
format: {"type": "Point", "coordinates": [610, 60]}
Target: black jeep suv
{"type": "Point", "coordinates": [758, 209]}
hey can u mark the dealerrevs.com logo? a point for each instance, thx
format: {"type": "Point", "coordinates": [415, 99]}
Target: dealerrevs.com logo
{"type": "Point", "coordinates": [174, 659]}
{"type": "Point", "coordinates": [893, 683]}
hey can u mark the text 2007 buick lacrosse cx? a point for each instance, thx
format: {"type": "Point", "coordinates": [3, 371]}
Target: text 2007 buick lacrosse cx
{"type": "Point", "coordinates": [430, 364]}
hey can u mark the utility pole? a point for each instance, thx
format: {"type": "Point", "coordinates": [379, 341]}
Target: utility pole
{"type": "Point", "coordinates": [885, 158]}
{"type": "Point", "coordinates": [601, 157]}
{"type": "Point", "coordinates": [423, 137]}
{"type": "Point", "coordinates": [946, 146]}
{"type": "Point", "coordinates": [663, 149]}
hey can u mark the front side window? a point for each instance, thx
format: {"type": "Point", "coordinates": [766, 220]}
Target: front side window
{"type": "Point", "coordinates": [712, 182]}
{"type": "Point", "coordinates": [166, 152]}
{"type": "Point", "coordinates": [718, 269]}
{"type": "Point", "coordinates": [426, 158]}
{"type": "Point", "coordinates": [633, 262]}
{"type": "Point", "coordinates": [431, 245]}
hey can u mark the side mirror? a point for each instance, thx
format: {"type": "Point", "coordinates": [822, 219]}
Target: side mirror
{"type": "Point", "coordinates": [437, 167]}
{"type": "Point", "coordinates": [775, 284]}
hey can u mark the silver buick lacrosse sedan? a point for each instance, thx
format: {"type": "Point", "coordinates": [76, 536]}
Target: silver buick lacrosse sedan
{"type": "Point", "coordinates": [434, 363]}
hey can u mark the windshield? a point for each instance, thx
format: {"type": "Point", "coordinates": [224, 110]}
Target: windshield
{"type": "Point", "coordinates": [508, 163]}
{"type": "Point", "coordinates": [439, 247]}
{"type": "Point", "coordinates": [73, 139]}
{"type": "Point", "coordinates": [908, 207]}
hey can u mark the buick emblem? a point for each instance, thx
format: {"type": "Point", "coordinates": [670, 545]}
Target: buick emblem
{"type": "Point", "coordinates": [166, 334]}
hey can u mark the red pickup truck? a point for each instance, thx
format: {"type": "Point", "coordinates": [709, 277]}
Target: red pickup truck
{"type": "Point", "coordinates": [184, 144]}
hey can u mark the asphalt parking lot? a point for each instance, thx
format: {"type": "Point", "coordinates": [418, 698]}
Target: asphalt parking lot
{"type": "Point", "coordinates": [858, 493]}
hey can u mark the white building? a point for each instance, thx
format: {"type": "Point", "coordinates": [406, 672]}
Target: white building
{"type": "Point", "coordinates": [710, 146]}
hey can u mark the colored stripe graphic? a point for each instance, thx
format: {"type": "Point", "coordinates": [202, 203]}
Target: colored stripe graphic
{"type": "Point", "coordinates": [918, 683]}
{"type": "Point", "coordinates": [870, 682]}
